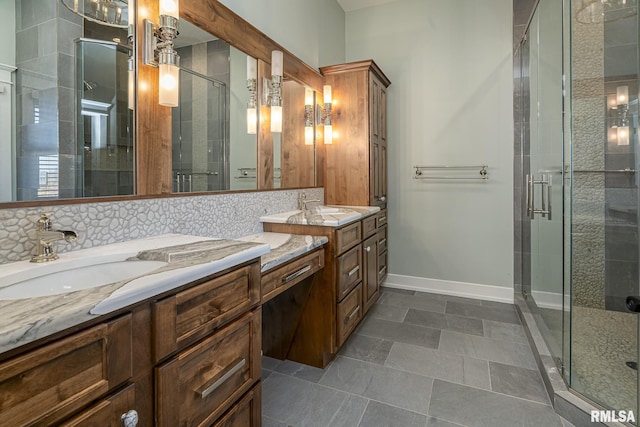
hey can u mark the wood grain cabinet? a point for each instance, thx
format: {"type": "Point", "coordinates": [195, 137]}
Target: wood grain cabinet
{"type": "Point", "coordinates": [190, 357]}
{"type": "Point", "coordinates": [356, 162]}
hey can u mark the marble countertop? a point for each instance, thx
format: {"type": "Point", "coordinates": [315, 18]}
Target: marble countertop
{"type": "Point", "coordinates": [188, 258]}
{"type": "Point", "coordinates": [284, 247]}
{"type": "Point", "coordinates": [330, 216]}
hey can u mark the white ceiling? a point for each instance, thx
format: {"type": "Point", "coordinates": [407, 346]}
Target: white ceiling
{"type": "Point", "coordinates": [349, 5]}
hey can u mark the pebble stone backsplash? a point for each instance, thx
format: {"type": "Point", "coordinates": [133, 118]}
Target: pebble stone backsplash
{"type": "Point", "coordinates": [226, 216]}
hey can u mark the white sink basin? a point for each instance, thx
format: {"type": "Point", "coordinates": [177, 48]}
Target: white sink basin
{"type": "Point", "coordinates": [325, 210]}
{"type": "Point", "coordinates": [75, 278]}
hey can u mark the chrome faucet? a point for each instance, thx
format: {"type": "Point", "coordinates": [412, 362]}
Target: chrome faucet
{"type": "Point", "coordinates": [46, 236]}
{"type": "Point", "coordinates": [302, 201]}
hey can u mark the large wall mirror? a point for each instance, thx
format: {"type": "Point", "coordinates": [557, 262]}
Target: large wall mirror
{"type": "Point", "coordinates": [212, 149]}
{"type": "Point", "coordinates": [66, 110]}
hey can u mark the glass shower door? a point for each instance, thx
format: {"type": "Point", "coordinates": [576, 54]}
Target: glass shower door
{"type": "Point", "coordinates": [544, 183]}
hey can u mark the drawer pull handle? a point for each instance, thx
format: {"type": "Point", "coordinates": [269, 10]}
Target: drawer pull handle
{"type": "Point", "coordinates": [368, 249]}
{"type": "Point", "coordinates": [296, 274]}
{"type": "Point", "coordinates": [354, 271]}
{"type": "Point", "coordinates": [353, 313]}
{"type": "Point", "coordinates": [207, 391]}
{"type": "Point", "coordinates": [383, 270]}
{"type": "Point", "coordinates": [383, 241]}
{"type": "Point", "coordinates": [382, 219]}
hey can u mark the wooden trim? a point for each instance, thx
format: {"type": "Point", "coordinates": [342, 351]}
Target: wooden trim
{"type": "Point", "coordinates": [368, 65]}
{"type": "Point", "coordinates": [222, 22]}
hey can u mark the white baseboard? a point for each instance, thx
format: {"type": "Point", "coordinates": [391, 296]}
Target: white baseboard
{"type": "Point", "coordinates": [550, 300]}
{"type": "Point", "coordinates": [448, 287]}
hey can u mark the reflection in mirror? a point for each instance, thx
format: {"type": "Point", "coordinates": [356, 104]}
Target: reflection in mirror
{"type": "Point", "coordinates": [66, 127]}
{"type": "Point", "coordinates": [211, 115]}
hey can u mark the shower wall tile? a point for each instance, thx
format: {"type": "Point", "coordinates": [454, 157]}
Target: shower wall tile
{"type": "Point", "coordinates": [621, 281]}
{"type": "Point", "coordinates": [27, 44]}
{"type": "Point", "coordinates": [224, 215]}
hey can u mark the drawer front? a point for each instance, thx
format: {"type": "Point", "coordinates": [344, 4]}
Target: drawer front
{"type": "Point", "coordinates": [288, 275]}
{"type": "Point", "coordinates": [199, 384]}
{"type": "Point", "coordinates": [369, 226]}
{"type": "Point", "coordinates": [349, 313]}
{"type": "Point", "coordinates": [349, 271]}
{"type": "Point", "coordinates": [246, 413]}
{"type": "Point", "coordinates": [347, 237]}
{"type": "Point", "coordinates": [182, 319]}
{"type": "Point", "coordinates": [52, 382]}
{"type": "Point", "coordinates": [382, 239]}
{"type": "Point", "coordinates": [382, 267]}
{"type": "Point", "coordinates": [382, 218]}
{"type": "Point", "coordinates": [107, 412]}
{"type": "Point", "coordinates": [370, 265]}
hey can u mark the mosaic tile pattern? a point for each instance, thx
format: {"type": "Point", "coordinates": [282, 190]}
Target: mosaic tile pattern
{"type": "Point", "coordinates": [222, 215]}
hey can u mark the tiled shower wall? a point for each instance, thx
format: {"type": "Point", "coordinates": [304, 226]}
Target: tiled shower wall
{"type": "Point", "coordinates": [224, 215]}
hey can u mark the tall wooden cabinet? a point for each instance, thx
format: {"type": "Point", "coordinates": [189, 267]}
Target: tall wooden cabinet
{"type": "Point", "coordinates": [356, 162]}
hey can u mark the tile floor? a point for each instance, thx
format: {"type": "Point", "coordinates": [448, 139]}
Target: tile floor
{"type": "Point", "coordinates": [417, 359]}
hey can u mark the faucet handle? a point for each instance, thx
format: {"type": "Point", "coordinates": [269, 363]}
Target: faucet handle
{"type": "Point", "coordinates": [44, 223]}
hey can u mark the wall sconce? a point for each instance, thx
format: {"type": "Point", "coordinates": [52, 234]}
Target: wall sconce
{"type": "Point", "coordinates": [158, 51]}
{"type": "Point", "coordinates": [618, 131]}
{"type": "Point", "coordinates": [272, 93]}
{"type": "Point", "coordinates": [308, 116]}
{"type": "Point", "coordinates": [252, 85]}
{"type": "Point", "coordinates": [326, 115]}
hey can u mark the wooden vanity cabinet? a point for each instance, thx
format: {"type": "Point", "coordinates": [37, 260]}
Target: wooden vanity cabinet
{"type": "Point", "coordinates": [356, 162]}
{"type": "Point", "coordinates": [190, 357]}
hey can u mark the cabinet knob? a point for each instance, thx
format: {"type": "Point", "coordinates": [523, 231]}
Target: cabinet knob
{"type": "Point", "coordinates": [130, 418]}
{"type": "Point", "coordinates": [383, 198]}
{"type": "Point", "coordinates": [368, 249]}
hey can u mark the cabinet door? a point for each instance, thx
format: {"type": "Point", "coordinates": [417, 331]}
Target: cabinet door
{"type": "Point", "coordinates": [53, 382]}
{"type": "Point", "coordinates": [246, 413]}
{"type": "Point", "coordinates": [382, 158]}
{"type": "Point", "coordinates": [374, 143]}
{"type": "Point", "coordinates": [370, 281]}
{"type": "Point", "coordinates": [107, 412]}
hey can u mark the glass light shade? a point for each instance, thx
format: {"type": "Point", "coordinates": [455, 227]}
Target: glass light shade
{"type": "Point", "coordinates": [622, 95]}
{"type": "Point", "coordinates": [612, 135]}
{"type": "Point", "coordinates": [326, 92]}
{"type": "Point", "coordinates": [612, 101]}
{"type": "Point", "coordinates": [308, 96]}
{"type": "Point", "coordinates": [276, 63]}
{"type": "Point", "coordinates": [623, 135]}
{"type": "Point", "coordinates": [252, 67]}
{"type": "Point", "coordinates": [170, 8]}
{"type": "Point", "coordinates": [169, 85]}
{"type": "Point", "coordinates": [252, 121]}
{"type": "Point", "coordinates": [308, 135]}
{"type": "Point", "coordinates": [328, 134]}
{"type": "Point", "coordinates": [276, 119]}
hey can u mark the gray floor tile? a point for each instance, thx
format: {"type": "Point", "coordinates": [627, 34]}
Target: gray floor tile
{"type": "Point", "coordinates": [301, 403]}
{"type": "Point", "coordinates": [396, 290]}
{"type": "Point", "coordinates": [506, 352]}
{"type": "Point", "coordinates": [449, 298]}
{"type": "Point", "coordinates": [504, 331]}
{"type": "Point", "coordinates": [482, 312]}
{"type": "Point", "coordinates": [264, 374]}
{"type": "Point", "coordinates": [498, 305]}
{"type": "Point", "coordinates": [298, 370]}
{"type": "Point", "coordinates": [439, 364]}
{"type": "Point", "coordinates": [566, 423]}
{"type": "Point", "coordinates": [269, 422]}
{"type": "Point", "coordinates": [388, 312]}
{"type": "Point", "coordinates": [478, 408]}
{"type": "Point", "coordinates": [369, 349]}
{"type": "Point", "coordinates": [419, 301]}
{"type": "Point", "coordinates": [518, 382]}
{"type": "Point", "coordinates": [400, 332]}
{"type": "Point", "coordinates": [391, 386]}
{"type": "Point", "coordinates": [468, 325]}
{"type": "Point", "coordinates": [436, 422]}
{"type": "Point", "coordinates": [269, 363]}
{"type": "Point", "coordinates": [381, 415]}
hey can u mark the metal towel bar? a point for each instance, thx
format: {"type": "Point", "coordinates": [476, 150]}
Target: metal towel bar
{"type": "Point", "coordinates": [483, 172]}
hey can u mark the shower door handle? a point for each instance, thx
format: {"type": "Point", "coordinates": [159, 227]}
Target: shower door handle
{"type": "Point", "coordinates": [546, 184]}
{"type": "Point", "coordinates": [633, 304]}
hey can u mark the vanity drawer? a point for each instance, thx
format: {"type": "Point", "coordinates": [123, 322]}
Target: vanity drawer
{"type": "Point", "coordinates": [199, 384]}
{"type": "Point", "coordinates": [182, 319]}
{"type": "Point", "coordinates": [349, 270]}
{"type": "Point", "coordinates": [369, 226]}
{"type": "Point", "coordinates": [382, 267]}
{"type": "Point", "coordinates": [349, 313]}
{"type": "Point", "coordinates": [288, 275]}
{"type": "Point", "coordinates": [107, 412]}
{"type": "Point", "coordinates": [382, 218]}
{"type": "Point", "coordinates": [50, 383]}
{"type": "Point", "coordinates": [382, 239]}
{"type": "Point", "coordinates": [246, 413]}
{"type": "Point", "coordinates": [347, 237]}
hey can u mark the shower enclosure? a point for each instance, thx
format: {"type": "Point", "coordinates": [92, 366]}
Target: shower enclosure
{"type": "Point", "coordinates": [576, 104]}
